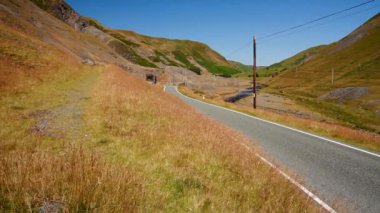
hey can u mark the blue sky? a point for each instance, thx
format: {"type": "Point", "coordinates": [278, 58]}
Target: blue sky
{"type": "Point", "coordinates": [227, 25]}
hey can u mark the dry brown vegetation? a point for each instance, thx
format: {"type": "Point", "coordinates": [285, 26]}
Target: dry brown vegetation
{"type": "Point", "coordinates": [50, 173]}
{"type": "Point", "coordinates": [338, 131]}
{"type": "Point", "coordinates": [68, 180]}
{"type": "Point", "coordinates": [147, 151]}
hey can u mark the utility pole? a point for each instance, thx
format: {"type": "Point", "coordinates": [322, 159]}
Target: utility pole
{"type": "Point", "coordinates": [254, 73]}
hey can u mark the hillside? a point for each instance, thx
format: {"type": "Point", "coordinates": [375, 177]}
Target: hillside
{"type": "Point", "coordinates": [144, 50]}
{"type": "Point", "coordinates": [341, 80]}
{"type": "Point", "coordinates": [194, 56]}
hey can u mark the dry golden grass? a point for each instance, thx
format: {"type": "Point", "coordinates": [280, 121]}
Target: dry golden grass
{"type": "Point", "coordinates": [26, 62]}
{"type": "Point", "coordinates": [40, 172]}
{"type": "Point", "coordinates": [338, 131]}
{"type": "Point", "coordinates": [189, 162]}
{"type": "Point", "coordinates": [70, 180]}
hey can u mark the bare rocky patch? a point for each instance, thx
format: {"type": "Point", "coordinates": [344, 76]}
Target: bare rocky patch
{"type": "Point", "coordinates": [281, 105]}
{"type": "Point", "coordinates": [342, 95]}
{"type": "Point", "coordinates": [51, 206]}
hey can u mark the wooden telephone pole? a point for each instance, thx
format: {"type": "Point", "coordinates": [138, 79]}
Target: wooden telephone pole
{"type": "Point", "coordinates": [254, 73]}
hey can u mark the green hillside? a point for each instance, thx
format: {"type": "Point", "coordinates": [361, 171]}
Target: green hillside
{"type": "Point", "coordinates": [293, 62]}
{"type": "Point", "coordinates": [341, 79]}
{"type": "Point", "coordinates": [192, 55]}
{"type": "Point", "coordinates": [241, 66]}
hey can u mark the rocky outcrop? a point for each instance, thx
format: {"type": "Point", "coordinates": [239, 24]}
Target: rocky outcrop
{"type": "Point", "coordinates": [63, 11]}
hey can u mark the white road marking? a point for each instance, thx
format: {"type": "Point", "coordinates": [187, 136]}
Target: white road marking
{"type": "Point", "coordinates": [303, 188]}
{"type": "Point", "coordinates": [286, 127]}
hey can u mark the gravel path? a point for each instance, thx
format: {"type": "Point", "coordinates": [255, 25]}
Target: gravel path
{"type": "Point", "coordinates": [66, 120]}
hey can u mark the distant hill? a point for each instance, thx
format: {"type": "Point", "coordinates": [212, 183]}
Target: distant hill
{"type": "Point", "coordinates": [346, 73]}
{"type": "Point", "coordinates": [141, 50]}
{"type": "Point", "coordinates": [241, 66]}
{"type": "Point", "coordinates": [195, 56]}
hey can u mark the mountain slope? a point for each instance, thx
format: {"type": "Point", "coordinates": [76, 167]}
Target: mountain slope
{"type": "Point", "coordinates": [183, 53]}
{"type": "Point", "coordinates": [144, 50]}
{"type": "Point", "coordinates": [29, 20]}
{"type": "Point", "coordinates": [345, 76]}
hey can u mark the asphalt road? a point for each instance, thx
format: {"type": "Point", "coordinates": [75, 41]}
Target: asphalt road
{"type": "Point", "coordinates": [335, 173]}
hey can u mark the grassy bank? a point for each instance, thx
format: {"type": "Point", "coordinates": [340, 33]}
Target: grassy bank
{"type": "Point", "coordinates": [340, 132]}
{"type": "Point", "coordinates": [45, 164]}
{"type": "Point", "coordinates": [135, 149]}
{"type": "Point", "coordinates": [188, 162]}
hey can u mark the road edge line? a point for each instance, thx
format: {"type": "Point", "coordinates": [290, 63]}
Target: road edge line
{"type": "Point", "coordinates": [314, 197]}
{"type": "Point", "coordinates": [286, 127]}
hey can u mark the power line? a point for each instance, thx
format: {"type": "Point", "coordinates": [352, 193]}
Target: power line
{"type": "Point", "coordinates": [300, 25]}
{"type": "Point", "coordinates": [315, 20]}
{"type": "Point", "coordinates": [240, 48]}
{"type": "Point", "coordinates": [323, 23]}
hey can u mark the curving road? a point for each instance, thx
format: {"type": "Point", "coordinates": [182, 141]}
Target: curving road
{"type": "Point", "coordinates": [337, 173]}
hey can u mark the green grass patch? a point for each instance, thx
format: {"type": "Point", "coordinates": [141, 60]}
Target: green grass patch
{"type": "Point", "coordinates": [213, 67]}
{"type": "Point", "coordinates": [354, 117]}
{"type": "Point", "coordinates": [43, 4]}
{"type": "Point", "coordinates": [121, 38]}
{"type": "Point", "coordinates": [180, 56]}
{"type": "Point", "coordinates": [129, 53]}
{"type": "Point", "coordinates": [159, 56]}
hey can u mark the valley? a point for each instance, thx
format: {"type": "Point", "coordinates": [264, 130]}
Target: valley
{"type": "Point", "coordinates": [84, 131]}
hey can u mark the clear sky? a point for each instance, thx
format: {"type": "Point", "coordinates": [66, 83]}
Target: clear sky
{"type": "Point", "coordinates": [227, 25]}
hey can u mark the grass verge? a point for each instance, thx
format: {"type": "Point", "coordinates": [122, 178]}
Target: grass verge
{"type": "Point", "coordinates": [357, 137]}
